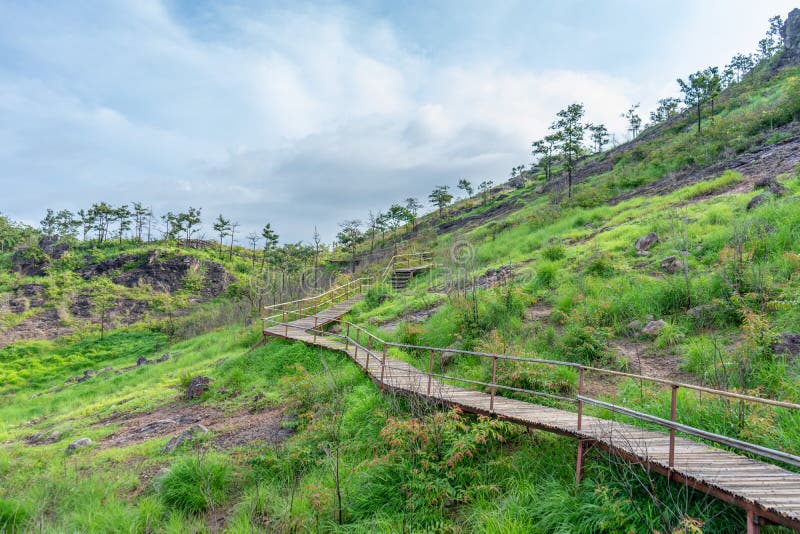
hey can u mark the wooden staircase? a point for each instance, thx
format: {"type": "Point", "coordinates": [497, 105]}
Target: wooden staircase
{"type": "Point", "coordinates": [401, 278]}
{"type": "Point", "coordinates": [403, 268]}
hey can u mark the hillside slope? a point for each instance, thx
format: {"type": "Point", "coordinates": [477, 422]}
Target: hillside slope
{"type": "Point", "coordinates": [677, 257]}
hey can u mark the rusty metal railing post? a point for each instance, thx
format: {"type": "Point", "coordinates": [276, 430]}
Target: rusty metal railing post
{"type": "Point", "coordinates": [430, 373]}
{"type": "Point", "coordinates": [369, 351]}
{"type": "Point", "coordinates": [580, 394]}
{"type": "Point", "coordinates": [355, 345]}
{"type": "Point", "coordinates": [494, 389]}
{"type": "Point", "coordinates": [315, 329]}
{"type": "Point", "coordinates": [347, 338]}
{"type": "Point", "coordinates": [673, 409]}
{"type": "Point", "coordinates": [285, 323]}
{"type": "Point", "coordinates": [383, 363]}
{"type": "Point", "coordinates": [581, 449]}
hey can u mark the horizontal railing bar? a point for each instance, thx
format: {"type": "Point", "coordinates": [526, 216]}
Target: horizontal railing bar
{"type": "Point", "coordinates": [486, 354]}
{"type": "Point", "coordinates": [352, 282]}
{"type": "Point", "coordinates": [719, 392]}
{"type": "Point", "coordinates": [731, 394]}
{"type": "Point", "coordinates": [722, 393]}
{"type": "Point", "coordinates": [500, 386]}
{"type": "Point", "coordinates": [703, 434]}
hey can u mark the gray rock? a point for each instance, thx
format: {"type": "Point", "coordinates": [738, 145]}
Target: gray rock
{"type": "Point", "coordinates": [653, 328]}
{"type": "Point", "coordinates": [87, 374]}
{"type": "Point", "coordinates": [184, 436]}
{"type": "Point", "coordinates": [699, 311]}
{"type": "Point", "coordinates": [18, 305]}
{"type": "Point", "coordinates": [634, 326]}
{"type": "Point", "coordinates": [156, 427]}
{"type": "Point", "coordinates": [141, 360]}
{"type": "Point", "coordinates": [646, 242]}
{"type": "Point", "coordinates": [447, 358]}
{"type": "Point", "coordinates": [757, 200]}
{"type": "Point", "coordinates": [789, 343]}
{"type": "Point", "coordinates": [197, 387]}
{"type": "Point", "coordinates": [671, 264]}
{"type": "Point", "coordinates": [164, 357]}
{"type": "Point", "coordinates": [53, 246]}
{"type": "Point", "coordinates": [791, 38]}
{"type": "Point", "coordinates": [79, 444]}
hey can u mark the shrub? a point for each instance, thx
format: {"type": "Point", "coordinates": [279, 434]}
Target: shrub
{"type": "Point", "coordinates": [670, 335]}
{"type": "Point", "coordinates": [375, 296]}
{"type": "Point", "coordinates": [553, 252]}
{"type": "Point", "coordinates": [409, 333]}
{"type": "Point", "coordinates": [600, 265]}
{"type": "Point", "coordinates": [545, 276]}
{"type": "Point", "coordinates": [193, 485]}
{"type": "Point", "coordinates": [585, 343]}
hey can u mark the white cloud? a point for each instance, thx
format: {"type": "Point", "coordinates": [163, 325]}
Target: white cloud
{"type": "Point", "coordinates": [298, 116]}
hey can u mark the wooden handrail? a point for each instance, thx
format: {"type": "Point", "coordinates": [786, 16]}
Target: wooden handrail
{"type": "Point", "coordinates": [387, 272]}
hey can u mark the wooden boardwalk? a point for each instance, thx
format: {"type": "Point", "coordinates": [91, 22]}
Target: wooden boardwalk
{"type": "Point", "coordinates": [765, 491]}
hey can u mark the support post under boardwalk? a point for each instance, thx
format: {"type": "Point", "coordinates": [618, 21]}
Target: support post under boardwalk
{"type": "Point", "coordinates": [383, 363]}
{"type": "Point", "coordinates": [753, 524]}
{"type": "Point", "coordinates": [315, 329]}
{"type": "Point", "coordinates": [672, 416]}
{"type": "Point", "coordinates": [579, 462]}
{"type": "Point", "coordinates": [430, 373]}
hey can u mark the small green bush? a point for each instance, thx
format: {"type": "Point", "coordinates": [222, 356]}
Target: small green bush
{"type": "Point", "coordinates": [193, 485]}
{"type": "Point", "coordinates": [553, 252]}
{"type": "Point", "coordinates": [584, 343]}
{"type": "Point", "coordinates": [375, 296]}
{"type": "Point", "coordinates": [670, 335]}
{"type": "Point", "coordinates": [600, 265]}
{"type": "Point", "coordinates": [545, 276]}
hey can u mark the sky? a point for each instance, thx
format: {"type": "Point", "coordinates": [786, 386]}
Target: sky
{"type": "Point", "coordinates": [307, 114]}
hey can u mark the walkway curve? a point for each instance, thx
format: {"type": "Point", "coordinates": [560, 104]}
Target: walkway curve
{"type": "Point", "coordinates": [767, 493]}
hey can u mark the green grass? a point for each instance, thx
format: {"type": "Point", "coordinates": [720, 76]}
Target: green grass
{"type": "Point", "coordinates": [406, 466]}
{"type": "Point", "coordinates": [193, 485]}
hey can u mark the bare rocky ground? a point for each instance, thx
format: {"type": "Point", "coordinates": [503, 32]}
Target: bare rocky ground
{"type": "Point", "coordinates": [48, 320]}
{"type": "Point", "coordinates": [418, 316]}
{"type": "Point", "coordinates": [763, 162]}
{"type": "Point", "coordinates": [227, 430]}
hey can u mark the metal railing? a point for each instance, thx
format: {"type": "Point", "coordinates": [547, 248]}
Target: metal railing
{"type": "Point", "coordinates": [369, 343]}
{"type": "Point", "coordinates": [286, 312]}
{"type": "Point", "coordinates": [405, 261]}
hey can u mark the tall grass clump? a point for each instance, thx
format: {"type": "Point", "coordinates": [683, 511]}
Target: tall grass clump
{"type": "Point", "coordinates": [194, 485]}
{"type": "Point", "coordinates": [13, 516]}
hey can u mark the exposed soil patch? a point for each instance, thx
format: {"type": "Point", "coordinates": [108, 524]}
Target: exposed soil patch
{"type": "Point", "coordinates": [494, 277]}
{"type": "Point", "coordinates": [171, 419]}
{"type": "Point", "coordinates": [503, 208]}
{"type": "Point", "coordinates": [647, 361]}
{"type": "Point", "coordinates": [419, 316]}
{"type": "Point", "coordinates": [45, 324]}
{"type": "Point", "coordinates": [538, 313]}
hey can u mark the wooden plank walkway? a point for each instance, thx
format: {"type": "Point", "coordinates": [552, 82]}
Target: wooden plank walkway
{"type": "Point", "coordinates": [765, 490]}
{"type": "Point", "coordinates": [299, 327]}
